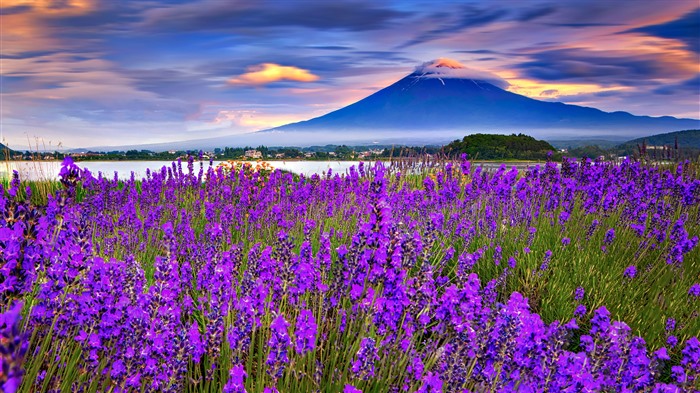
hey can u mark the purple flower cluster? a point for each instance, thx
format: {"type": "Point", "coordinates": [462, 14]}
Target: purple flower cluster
{"type": "Point", "coordinates": [13, 349]}
{"type": "Point", "coordinates": [240, 281]}
{"type": "Point", "coordinates": [305, 332]}
{"type": "Point", "coordinates": [366, 356]}
{"type": "Point", "coordinates": [279, 345]}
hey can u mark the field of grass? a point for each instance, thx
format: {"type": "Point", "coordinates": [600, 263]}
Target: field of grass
{"type": "Point", "coordinates": [440, 278]}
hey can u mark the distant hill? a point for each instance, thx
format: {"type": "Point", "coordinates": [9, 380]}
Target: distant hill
{"type": "Point", "coordinates": [6, 151]}
{"type": "Point", "coordinates": [679, 144]}
{"type": "Point", "coordinates": [686, 139]}
{"type": "Point", "coordinates": [673, 145]}
{"type": "Point", "coordinates": [500, 147]}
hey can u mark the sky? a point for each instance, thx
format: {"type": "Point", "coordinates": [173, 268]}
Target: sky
{"type": "Point", "coordinates": [80, 73]}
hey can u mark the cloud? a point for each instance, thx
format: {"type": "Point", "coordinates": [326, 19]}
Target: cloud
{"type": "Point", "coordinates": [688, 86]}
{"type": "Point", "coordinates": [213, 15]}
{"type": "Point", "coordinates": [47, 7]}
{"type": "Point", "coordinates": [606, 67]}
{"type": "Point", "coordinates": [535, 12]}
{"type": "Point", "coordinates": [254, 120]}
{"type": "Point", "coordinates": [450, 68]}
{"type": "Point", "coordinates": [466, 17]}
{"type": "Point", "coordinates": [330, 47]}
{"type": "Point", "coordinates": [635, 101]}
{"type": "Point", "coordinates": [270, 72]}
{"type": "Point", "coordinates": [685, 29]}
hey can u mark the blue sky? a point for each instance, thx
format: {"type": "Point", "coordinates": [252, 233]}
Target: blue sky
{"type": "Point", "coordinates": [88, 72]}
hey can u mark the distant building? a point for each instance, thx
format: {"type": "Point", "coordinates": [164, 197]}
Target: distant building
{"type": "Point", "coordinates": [86, 154]}
{"type": "Point", "coordinates": [309, 155]}
{"type": "Point", "coordinates": [279, 155]}
{"type": "Point", "coordinates": [332, 154]}
{"type": "Point", "coordinates": [253, 154]}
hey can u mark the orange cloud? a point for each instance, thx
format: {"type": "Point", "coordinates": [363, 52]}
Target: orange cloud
{"type": "Point", "coordinates": [270, 72]}
{"type": "Point", "coordinates": [27, 31]}
{"type": "Point", "coordinates": [536, 89]}
{"type": "Point", "coordinates": [53, 7]}
{"type": "Point", "coordinates": [255, 120]}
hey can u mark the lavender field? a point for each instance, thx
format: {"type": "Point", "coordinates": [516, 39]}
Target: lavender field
{"type": "Point", "coordinates": [582, 277]}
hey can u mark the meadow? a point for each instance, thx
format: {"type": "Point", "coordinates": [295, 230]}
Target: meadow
{"type": "Point", "coordinates": [577, 277]}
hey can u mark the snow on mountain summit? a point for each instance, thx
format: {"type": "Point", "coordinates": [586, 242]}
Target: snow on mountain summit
{"type": "Point", "coordinates": [444, 62]}
{"type": "Point", "coordinates": [445, 68]}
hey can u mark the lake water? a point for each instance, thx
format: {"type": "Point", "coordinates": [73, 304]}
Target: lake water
{"type": "Point", "coordinates": [36, 170]}
{"type": "Point", "coordinates": [49, 169]}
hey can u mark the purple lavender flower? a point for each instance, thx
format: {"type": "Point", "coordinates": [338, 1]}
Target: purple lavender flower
{"type": "Point", "coordinates": [431, 384]}
{"type": "Point", "coordinates": [600, 323]}
{"type": "Point", "coordinates": [670, 324]}
{"type": "Point", "coordinates": [351, 389]}
{"type": "Point", "coordinates": [571, 325]}
{"type": "Point", "coordinates": [661, 354]}
{"type": "Point", "coordinates": [416, 368]}
{"type": "Point", "coordinates": [609, 236]}
{"type": "Point", "coordinates": [13, 348]}
{"type": "Point", "coordinates": [236, 380]}
{"type": "Point", "coordinates": [672, 341]}
{"type": "Point", "coordinates": [691, 356]}
{"type": "Point", "coordinates": [694, 290]}
{"type": "Point", "coordinates": [565, 241]}
{"type": "Point", "coordinates": [579, 293]}
{"type": "Point", "coordinates": [580, 311]}
{"type": "Point", "coordinates": [363, 366]}
{"type": "Point", "coordinates": [279, 344]}
{"type": "Point", "coordinates": [305, 332]}
{"type": "Point", "coordinates": [194, 340]}
{"type": "Point", "coordinates": [546, 260]}
{"type": "Point", "coordinates": [563, 217]}
{"type": "Point", "coordinates": [630, 272]}
{"type": "Point", "coordinates": [678, 374]}
{"type": "Point", "coordinates": [591, 229]}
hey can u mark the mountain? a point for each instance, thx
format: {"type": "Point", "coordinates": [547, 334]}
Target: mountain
{"type": "Point", "coordinates": [445, 96]}
{"type": "Point", "coordinates": [6, 151]}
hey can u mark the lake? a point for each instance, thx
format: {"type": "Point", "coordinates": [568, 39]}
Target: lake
{"type": "Point", "coordinates": [36, 170]}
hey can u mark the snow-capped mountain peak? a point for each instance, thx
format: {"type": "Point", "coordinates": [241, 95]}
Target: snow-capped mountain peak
{"type": "Point", "coordinates": [445, 68]}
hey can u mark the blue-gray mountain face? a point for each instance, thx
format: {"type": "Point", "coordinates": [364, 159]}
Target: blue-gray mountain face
{"type": "Point", "coordinates": [435, 98]}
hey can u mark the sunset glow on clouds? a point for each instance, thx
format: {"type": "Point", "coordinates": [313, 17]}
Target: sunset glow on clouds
{"type": "Point", "coordinates": [269, 72]}
{"type": "Point", "coordinates": [91, 72]}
